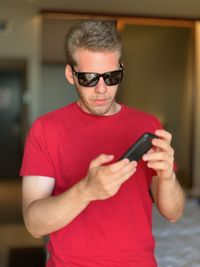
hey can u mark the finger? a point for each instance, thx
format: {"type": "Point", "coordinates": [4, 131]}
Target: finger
{"type": "Point", "coordinates": [163, 145]}
{"type": "Point", "coordinates": [128, 175]}
{"type": "Point", "coordinates": [100, 160]}
{"type": "Point", "coordinates": [152, 150]}
{"type": "Point", "coordinates": [119, 165]}
{"type": "Point", "coordinates": [124, 175]}
{"type": "Point", "coordinates": [128, 169]}
{"type": "Point", "coordinates": [160, 165]}
{"type": "Point", "coordinates": [164, 134]}
{"type": "Point", "coordinates": [120, 173]}
{"type": "Point", "coordinates": [158, 156]}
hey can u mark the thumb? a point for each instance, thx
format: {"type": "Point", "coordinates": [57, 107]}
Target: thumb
{"type": "Point", "coordinates": [100, 160]}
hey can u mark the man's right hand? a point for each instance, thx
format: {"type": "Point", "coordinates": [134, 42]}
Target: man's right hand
{"type": "Point", "coordinates": [103, 181]}
{"type": "Point", "coordinates": [44, 213]}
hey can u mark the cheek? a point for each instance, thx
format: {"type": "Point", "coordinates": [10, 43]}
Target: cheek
{"type": "Point", "coordinates": [83, 93]}
{"type": "Point", "coordinates": [113, 90]}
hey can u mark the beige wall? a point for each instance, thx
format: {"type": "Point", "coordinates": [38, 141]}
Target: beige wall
{"type": "Point", "coordinates": [196, 186]}
{"type": "Point", "coordinates": [157, 62]}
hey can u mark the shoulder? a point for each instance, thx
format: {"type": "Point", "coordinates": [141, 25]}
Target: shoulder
{"type": "Point", "coordinates": [51, 123]}
{"type": "Point", "coordinates": [56, 115]}
{"type": "Point", "coordinates": [141, 116]}
{"type": "Point", "coordinates": [53, 118]}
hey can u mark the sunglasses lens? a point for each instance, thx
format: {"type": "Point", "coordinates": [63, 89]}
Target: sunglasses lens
{"type": "Point", "coordinates": [114, 77]}
{"type": "Point", "coordinates": [88, 79]}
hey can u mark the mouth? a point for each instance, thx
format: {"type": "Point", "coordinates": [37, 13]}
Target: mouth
{"type": "Point", "coordinates": [100, 101]}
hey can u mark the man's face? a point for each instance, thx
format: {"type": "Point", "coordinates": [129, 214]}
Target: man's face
{"type": "Point", "coordinates": [99, 99]}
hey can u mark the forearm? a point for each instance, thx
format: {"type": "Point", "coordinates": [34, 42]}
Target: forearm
{"type": "Point", "coordinates": [44, 216]}
{"type": "Point", "coordinates": [170, 198]}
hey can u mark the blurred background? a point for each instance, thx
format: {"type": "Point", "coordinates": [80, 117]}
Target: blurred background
{"type": "Point", "coordinates": [162, 76]}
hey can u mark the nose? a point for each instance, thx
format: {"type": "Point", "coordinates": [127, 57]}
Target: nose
{"type": "Point", "coordinates": [101, 87]}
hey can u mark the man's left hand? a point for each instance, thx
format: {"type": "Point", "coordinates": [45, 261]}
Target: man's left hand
{"type": "Point", "coordinates": [161, 157]}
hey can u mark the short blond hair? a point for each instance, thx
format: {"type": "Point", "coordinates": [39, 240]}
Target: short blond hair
{"type": "Point", "coordinates": [93, 35]}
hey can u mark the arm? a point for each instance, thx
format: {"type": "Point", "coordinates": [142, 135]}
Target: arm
{"type": "Point", "coordinates": [169, 197]}
{"type": "Point", "coordinates": [44, 214]}
{"type": "Point", "coordinates": [166, 190]}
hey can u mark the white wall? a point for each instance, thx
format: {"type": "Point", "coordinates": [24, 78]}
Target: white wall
{"type": "Point", "coordinates": [56, 91]}
{"type": "Point", "coordinates": [22, 41]}
{"type": "Point", "coordinates": [47, 88]}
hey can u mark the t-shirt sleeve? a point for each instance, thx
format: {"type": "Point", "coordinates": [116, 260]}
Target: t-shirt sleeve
{"type": "Point", "coordinates": [37, 159]}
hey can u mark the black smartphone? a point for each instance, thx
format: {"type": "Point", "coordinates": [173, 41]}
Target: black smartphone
{"type": "Point", "coordinates": [139, 148]}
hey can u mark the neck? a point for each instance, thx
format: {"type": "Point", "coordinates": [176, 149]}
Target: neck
{"type": "Point", "coordinates": [114, 108]}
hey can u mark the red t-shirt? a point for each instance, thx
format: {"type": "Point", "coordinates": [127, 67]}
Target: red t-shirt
{"type": "Point", "coordinates": [115, 232]}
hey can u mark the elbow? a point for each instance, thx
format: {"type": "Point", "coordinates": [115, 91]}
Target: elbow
{"type": "Point", "coordinates": [173, 213]}
{"type": "Point", "coordinates": [173, 218]}
{"type": "Point", "coordinates": [36, 235]}
{"type": "Point", "coordinates": [31, 224]}
{"type": "Point", "coordinates": [33, 231]}
{"type": "Point", "coordinates": [170, 217]}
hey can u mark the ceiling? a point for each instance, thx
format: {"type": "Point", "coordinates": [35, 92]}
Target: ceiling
{"type": "Point", "coordinates": [185, 9]}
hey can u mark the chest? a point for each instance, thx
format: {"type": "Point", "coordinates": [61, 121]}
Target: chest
{"type": "Point", "coordinates": [76, 145]}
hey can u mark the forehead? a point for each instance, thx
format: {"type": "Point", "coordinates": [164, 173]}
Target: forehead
{"type": "Point", "coordinates": [97, 61]}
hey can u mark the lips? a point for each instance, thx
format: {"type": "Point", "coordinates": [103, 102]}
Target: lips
{"type": "Point", "coordinates": [100, 101]}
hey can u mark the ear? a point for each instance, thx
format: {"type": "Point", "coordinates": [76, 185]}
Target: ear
{"type": "Point", "coordinates": [68, 74]}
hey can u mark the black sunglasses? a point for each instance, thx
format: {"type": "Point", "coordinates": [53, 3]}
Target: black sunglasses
{"type": "Point", "coordinates": [90, 79]}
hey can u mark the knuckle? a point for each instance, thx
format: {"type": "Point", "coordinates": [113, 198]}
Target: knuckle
{"type": "Point", "coordinates": [111, 168]}
{"type": "Point", "coordinates": [162, 156]}
{"type": "Point", "coordinates": [109, 191]}
{"type": "Point", "coordinates": [92, 164]}
{"type": "Point", "coordinates": [166, 166]}
{"type": "Point", "coordinates": [102, 157]}
{"type": "Point", "coordinates": [114, 190]}
{"type": "Point", "coordinates": [99, 177]}
{"type": "Point", "coordinates": [170, 136]}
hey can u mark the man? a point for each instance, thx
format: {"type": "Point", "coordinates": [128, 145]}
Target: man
{"type": "Point", "coordinates": [96, 208]}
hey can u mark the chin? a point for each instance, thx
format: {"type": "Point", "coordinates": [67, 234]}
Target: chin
{"type": "Point", "coordinates": [101, 110]}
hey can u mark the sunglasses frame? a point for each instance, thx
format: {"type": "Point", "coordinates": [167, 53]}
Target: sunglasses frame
{"type": "Point", "coordinates": [98, 75]}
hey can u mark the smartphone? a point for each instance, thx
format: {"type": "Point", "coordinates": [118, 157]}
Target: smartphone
{"type": "Point", "coordinates": [139, 148]}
